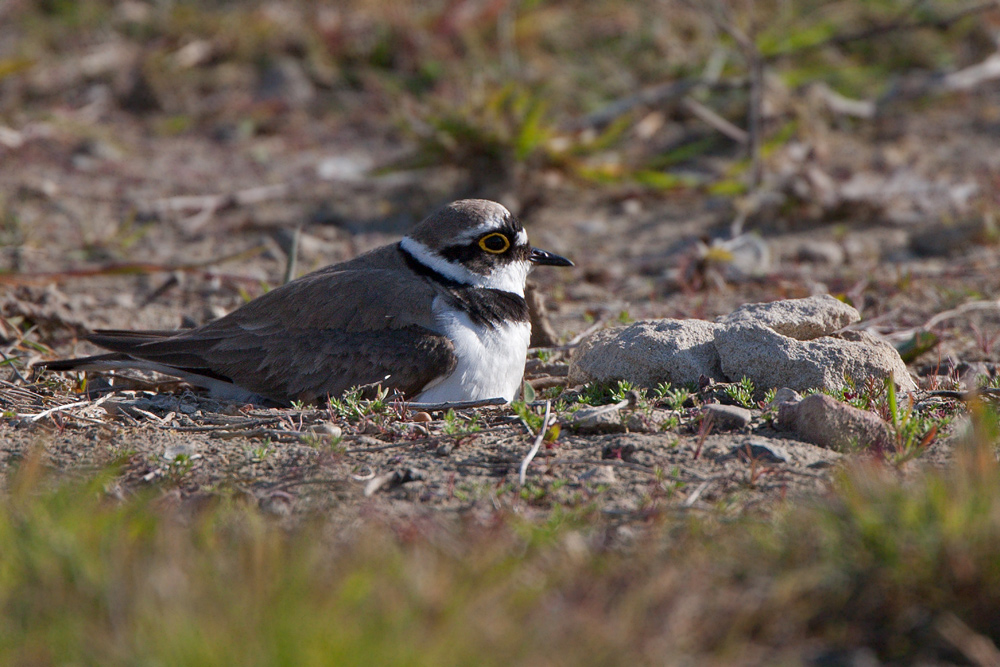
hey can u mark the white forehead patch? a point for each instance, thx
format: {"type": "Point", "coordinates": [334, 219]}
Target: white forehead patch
{"type": "Point", "coordinates": [500, 213]}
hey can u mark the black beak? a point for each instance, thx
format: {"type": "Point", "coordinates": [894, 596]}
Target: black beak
{"type": "Point", "coordinates": [549, 258]}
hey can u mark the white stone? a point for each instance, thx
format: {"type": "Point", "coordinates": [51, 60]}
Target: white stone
{"type": "Point", "coordinates": [802, 319]}
{"type": "Point", "coordinates": [647, 353]}
{"type": "Point", "coordinates": [770, 359]}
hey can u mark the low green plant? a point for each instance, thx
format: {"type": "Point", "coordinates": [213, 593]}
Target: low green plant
{"type": "Point", "coordinates": [912, 429]}
{"type": "Point", "coordinates": [317, 439]}
{"type": "Point", "coordinates": [259, 453]}
{"type": "Point", "coordinates": [673, 397]}
{"type": "Point", "coordinates": [490, 132]}
{"type": "Point", "coordinates": [989, 381]}
{"type": "Point", "coordinates": [176, 469]}
{"type": "Point", "coordinates": [554, 394]}
{"type": "Point", "coordinates": [602, 393]}
{"type": "Point", "coordinates": [869, 395]}
{"type": "Point", "coordinates": [531, 416]}
{"type": "Point", "coordinates": [351, 406]}
{"type": "Point", "coordinates": [623, 390]}
{"type": "Point", "coordinates": [769, 397]}
{"type": "Point", "coordinates": [454, 424]}
{"type": "Point", "coordinates": [543, 356]}
{"type": "Point", "coordinates": [741, 392]}
{"type": "Point", "coordinates": [770, 411]}
{"type": "Point", "coordinates": [594, 393]}
{"type": "Point", "coordinates": [671, 423]}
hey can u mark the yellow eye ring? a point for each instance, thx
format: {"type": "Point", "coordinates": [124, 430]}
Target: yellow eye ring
{"type": "Point", "coordinates": [490, 245]}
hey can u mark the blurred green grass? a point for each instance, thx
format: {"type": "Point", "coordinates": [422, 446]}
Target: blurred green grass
{"type": "Point", "coordinates": [879, 562]}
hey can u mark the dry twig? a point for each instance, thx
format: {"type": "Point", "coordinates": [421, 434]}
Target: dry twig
{"type": "Point", "coordinates": [206, 206]}
{"type": "Point", "coordinates": [538, 443]}
{"type": "Point", "coordinates": [755, 65]}
{"type": "Point", "coordinates": [696, 494]}
{"type": "Point", "coordinates": [971, 77]}
{"type": "Point", "coordinates": [132, 268]}
{"type": "Point", "coordinates": [66, 406]}
{"type": "Point", "coordinates": [977, 648]}
{"type": "Point", "coordinates": [15, 373]}
{"type": "Point", "coordinates": [715, 120]}
{"type": "Point", "coordinates": [456, 405]}
{"type": "Point", "coordinates": [960, 310]}
{"type": "Point", "coordinates": [293, 256]}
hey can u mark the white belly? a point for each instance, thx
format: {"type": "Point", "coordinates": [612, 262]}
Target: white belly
{"type": "Point", "coordinates": [490, 360]}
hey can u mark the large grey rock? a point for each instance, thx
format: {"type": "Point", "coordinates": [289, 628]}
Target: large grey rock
{"type": "Point", "coordinates": [778, 344]}
{"type": "Point", "coordinates": [649, 352]}
{"type": "Point", "coordinates": [773, 360]}
{"type": "Point", "coordinates": [802, 319]}
{"type": "Point", "coordinates": [825, 421]}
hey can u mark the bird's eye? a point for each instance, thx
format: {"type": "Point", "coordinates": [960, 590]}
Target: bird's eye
{"type": "Point", "coordinates": [494, 243]}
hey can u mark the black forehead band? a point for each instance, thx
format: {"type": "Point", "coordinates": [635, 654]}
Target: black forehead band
{"type": "Point", "coordinates": [510, 232]}
{"type": "Point", "coordinates": [471, 254]}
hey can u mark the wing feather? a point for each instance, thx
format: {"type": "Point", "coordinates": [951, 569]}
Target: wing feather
{"type": "Point", "coordinates": [365, 321]}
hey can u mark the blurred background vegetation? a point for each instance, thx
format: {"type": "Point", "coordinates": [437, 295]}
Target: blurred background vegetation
{"type": "Point", "coordinates": [654, 94]}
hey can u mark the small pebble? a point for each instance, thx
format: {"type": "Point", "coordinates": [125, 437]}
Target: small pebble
{"type": "Point", "coordinates": [603, 419]}
{"type": "Point", "coordinates": [759, 450]}
{"type": "Point", "coordinates": [278, 503]}
{"type": "Point", "coordinates": [728, 417]}
{"type": "Point", "coordinates": [784, 395]}
{"type": "Point", "coordinates": [332, 430]}
{"type": "Point", "coordinates": [599, 475]}
{"type": "Point", "coordinates": [171, 452]}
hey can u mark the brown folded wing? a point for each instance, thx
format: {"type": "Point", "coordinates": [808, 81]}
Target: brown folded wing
{"type": "Point", "coordinates": [358, 323]}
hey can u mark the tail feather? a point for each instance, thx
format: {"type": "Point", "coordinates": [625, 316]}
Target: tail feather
{"type": "Point", "coordinates": [160, 351]}
{"type": "Point", "coordinates": [131, 355]}
{"type": "Point", "coordinates": [170, 348]}
{"type": "Point", "coordinates": [96, 362]}
{"type": "Point", "coordinates": [153, 334]}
